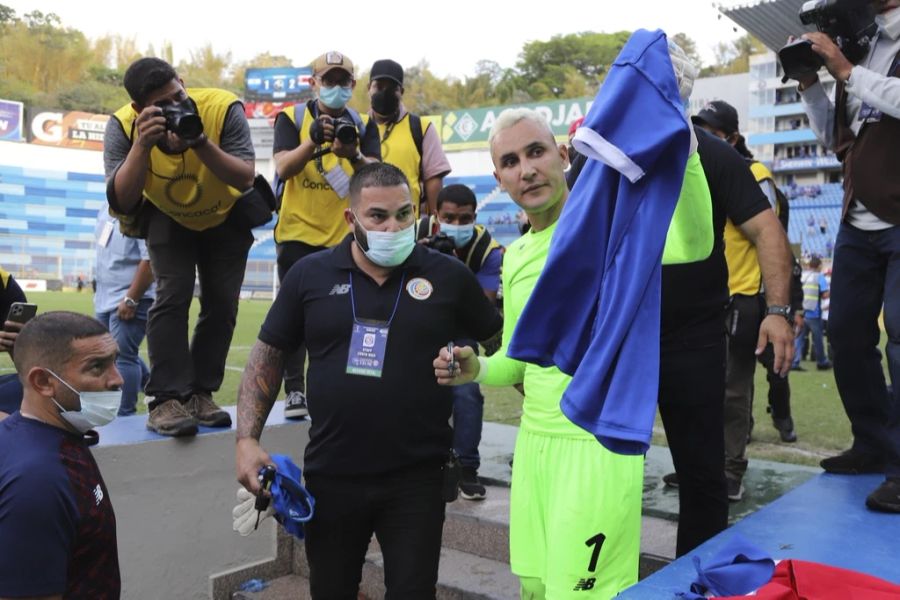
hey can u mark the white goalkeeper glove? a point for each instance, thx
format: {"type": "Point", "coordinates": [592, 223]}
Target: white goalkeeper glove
{"type": "Point", "coordinates": [246, 517]}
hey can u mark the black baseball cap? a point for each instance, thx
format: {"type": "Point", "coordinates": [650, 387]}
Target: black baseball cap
{"type": "Point", "coordinates": [719, 115]}
{"type": "Point", "coordinates": [387, 69]}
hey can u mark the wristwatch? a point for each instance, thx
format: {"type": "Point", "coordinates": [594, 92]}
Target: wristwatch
{"type": "Point", "coordinates": [784, 311]}
{"type": "Point", "coordinates": [129, 302]}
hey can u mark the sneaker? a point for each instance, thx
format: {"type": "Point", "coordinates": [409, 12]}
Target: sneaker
{"type": "Point", "coordinates": [824, 366]}
{"type": "Point", "coordinates": [469, 486]}
{"type": "Point", "coordinates": [886, 497]}
{"type": "Point", "coordinates": [171, 418]}
{"type": "Point", "coordinates": [207, 412]}
{"type": "Point", "coordinates": [853, 462]}
{"type": "Point", "coordinates": [295, 406]}
{"type": "Point", "coordinates": [735, 490]}
{"type": "Point", "coordinates": [785, 429]}
{"type": "Point", "coordinates": [671, 480]}
{"type": "Point", "coordinates": [797, 368]}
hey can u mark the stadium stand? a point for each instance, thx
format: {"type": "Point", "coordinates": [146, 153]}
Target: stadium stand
{"type": "Point", "coordinates": [47, 223]}
{"type": "Point", "coordinates": [815, 217]}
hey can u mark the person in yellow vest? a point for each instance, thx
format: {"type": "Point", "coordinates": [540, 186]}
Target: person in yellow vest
{"type": "Point", "coordinates": [746, 310]}
{"type": "Point", "coordinates": [317, 148]}
{"type": "Point", "coordinates": [177, 159]}
{"type": "Point", "coordinates": [407, 143]}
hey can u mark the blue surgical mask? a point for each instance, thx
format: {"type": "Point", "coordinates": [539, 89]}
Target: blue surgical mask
{"type": "Point", "coordinates": [460, 234]}
{"type": "Point", "coordinates": [386, 248]}
{"type": "Point", "coordinates": [335, 97]}
{"type": "Point", "coordinates": [97, 408]}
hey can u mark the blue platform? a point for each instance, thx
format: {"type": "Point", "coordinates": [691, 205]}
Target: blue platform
{"type": "Point", "coordinates": [133, 430]}
{"type": "Point", "coordinates": [824, 520]}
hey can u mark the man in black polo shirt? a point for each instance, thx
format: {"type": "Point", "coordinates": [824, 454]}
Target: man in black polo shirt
{"type": "Point", "coordinates": [372, 312]}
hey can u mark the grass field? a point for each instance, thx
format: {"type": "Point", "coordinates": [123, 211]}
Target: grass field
{"type": "Point", "coordinates": [821, 425]}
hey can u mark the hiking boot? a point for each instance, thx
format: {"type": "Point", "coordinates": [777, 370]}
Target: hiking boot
{"type": "Point", "coordinates": [207, 412]}
{"type": "Point", "coordinates": [853, 462]}
{"type": "Point", "coordinates": [735, 490]}
{"type": "Point", "coordinates": [785, 429]}
{"type": "Point", "coordinates": [671, 480]}
{"type": "Point", "coordinates": [469, 486]}
{"type": "Point", "coordinates": [886, 497]}
{"type": "Point", "coordinates": [295, 406]}
{"type": "Point", "coordinates": [171, 418]}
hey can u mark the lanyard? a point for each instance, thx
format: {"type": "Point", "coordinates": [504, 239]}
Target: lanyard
{"type": "Point", "coordinates": [396, 302]}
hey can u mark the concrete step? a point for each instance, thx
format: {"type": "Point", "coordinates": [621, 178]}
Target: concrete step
{"type": "Point", "coordinates": [461, 576]}
{"type": "Point", "coordinates": [480, 527]}
{"type": "Point", "coordinates": [289, 587]}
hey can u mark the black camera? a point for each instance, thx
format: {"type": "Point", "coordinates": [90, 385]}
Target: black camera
{"type": "Point", "coordinates": [183, 120]}
{"type": "Point", "coordinates": [441, 242]}
{"type": "Point", "coordinates": [345, 130]}
{"type": "Point", "coordinates": [849, 23]}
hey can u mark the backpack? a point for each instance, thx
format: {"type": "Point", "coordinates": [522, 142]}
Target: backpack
{"type": "Point", "coordinates": [277, 181]}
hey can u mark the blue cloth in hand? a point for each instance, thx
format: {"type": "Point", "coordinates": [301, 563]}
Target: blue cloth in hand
{"type": "Point", "coordinates": [293, 505]}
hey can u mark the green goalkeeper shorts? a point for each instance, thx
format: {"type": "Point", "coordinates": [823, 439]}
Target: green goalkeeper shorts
{"type": "Point", "coordinates": [575, 516]}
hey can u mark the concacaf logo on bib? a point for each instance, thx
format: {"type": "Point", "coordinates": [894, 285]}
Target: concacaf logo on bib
{"type": "Point", "coordinates": [419, 288]}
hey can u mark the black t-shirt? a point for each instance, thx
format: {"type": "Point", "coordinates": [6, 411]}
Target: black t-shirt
{"type": "Point", "coordinates": [365, 425]}
{"type": "Point", "coordinates": [287, 136]}
{"type": "Point", "coordinates": [694, 295]}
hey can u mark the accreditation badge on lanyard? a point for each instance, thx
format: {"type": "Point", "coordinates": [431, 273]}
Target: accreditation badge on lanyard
{"type": "Point", "coordinates": [368, 341]}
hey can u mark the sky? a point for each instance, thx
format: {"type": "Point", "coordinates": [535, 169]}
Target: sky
{"type": "Point", "coordinates": [450, 36]}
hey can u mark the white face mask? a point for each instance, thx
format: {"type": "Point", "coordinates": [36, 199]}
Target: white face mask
{"type": "Point", "coordinates": [386, 248]}
{"type": "Point", "coordinates": [97, 408]}
{"type": "Point", "coordinates": [889, 23]}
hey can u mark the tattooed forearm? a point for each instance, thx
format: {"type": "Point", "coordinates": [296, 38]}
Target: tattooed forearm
{"type": "Point", "coordinates": [259, 386]}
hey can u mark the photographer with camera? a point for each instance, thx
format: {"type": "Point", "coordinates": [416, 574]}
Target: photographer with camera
{"type": "Point", "coordinates": [177, 163]}
{"type": "Point", "coordinates": [408, 144]}
{"type": "Point", "coordinates": [317, 148]}
{"type": "Point", "coordinates": [454, 232]}
{"type": "Point", "coordinates": [862, 126]}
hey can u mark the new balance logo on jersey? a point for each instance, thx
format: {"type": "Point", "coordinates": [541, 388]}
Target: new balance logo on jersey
{"type": "Point", "coordinates": [584, 584]}
{"type": "Point", "coordinates": [339, 289]}
{"type": "Point", "coordinates": [98, 494]}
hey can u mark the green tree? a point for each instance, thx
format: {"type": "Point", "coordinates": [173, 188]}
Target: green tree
{"type": "Point", "coordinates": [41, 54]}
{"type": "Point", "coordinates": [734, 57]}
{"type": "Point", "coordinates": [208, 69]}
{"type": "Point", "coordinates": [545, 65]}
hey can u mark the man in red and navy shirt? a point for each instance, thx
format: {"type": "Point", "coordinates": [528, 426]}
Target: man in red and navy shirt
{"type": "Point", "coordinates": [57, 526]}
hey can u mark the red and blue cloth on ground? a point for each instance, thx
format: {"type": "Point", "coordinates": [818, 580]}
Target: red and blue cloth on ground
{"type": "Point", "coordinates": [595, 311]}
{"type": "Point", "coordinates": [803, 580]}
{"type": "Point", "coordinates": [740, 569]}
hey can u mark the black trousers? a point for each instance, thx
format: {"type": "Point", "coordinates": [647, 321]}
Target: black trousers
{"type": "Point", "coordinates": [742, 321]}
{"type": "Point", "coordinates": [288, 253]}
{"type": "Point", "coordinates": [405, 511]}
{"type": "Point", "coordinates": [218, 257]}
{"type": "Point", "coordinates": [691, 390]}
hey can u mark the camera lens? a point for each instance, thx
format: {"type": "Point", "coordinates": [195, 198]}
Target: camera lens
{"type": "Point", "coordinates": [189, 127]}
{"type": "Point", "coordinates": [345, 132]}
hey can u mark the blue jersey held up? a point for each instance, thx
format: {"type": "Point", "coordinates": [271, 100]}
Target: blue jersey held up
{"type": "Point", "coordinates": [595, 310]}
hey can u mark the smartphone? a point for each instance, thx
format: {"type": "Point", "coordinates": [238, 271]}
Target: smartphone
{"type": "Point", "coordinates": [21, 312]}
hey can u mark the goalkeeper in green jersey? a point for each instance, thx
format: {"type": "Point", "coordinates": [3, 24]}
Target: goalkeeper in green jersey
{"type": "Point", "coordinates": [575, 507]}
